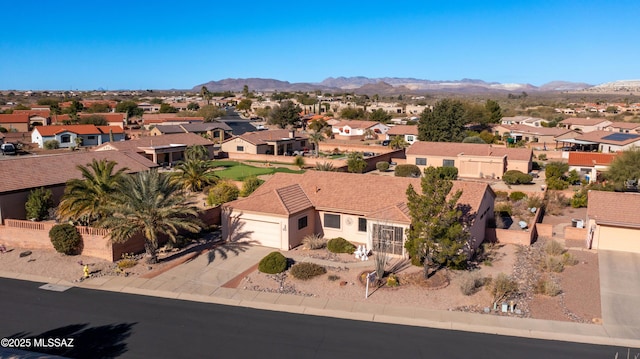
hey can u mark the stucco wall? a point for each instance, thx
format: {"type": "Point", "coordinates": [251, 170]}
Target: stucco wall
{"type": "Point", "coordinates": [12, 205]}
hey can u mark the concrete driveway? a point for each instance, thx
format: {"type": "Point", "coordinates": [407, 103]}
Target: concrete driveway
{"type": "Point", "coordinates": [620, 293]}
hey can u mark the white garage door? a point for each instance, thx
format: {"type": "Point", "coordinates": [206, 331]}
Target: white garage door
{"type": "Point", "coordinates": [264, 233]}
{"type": "Point", "coordinates": [619, 239]}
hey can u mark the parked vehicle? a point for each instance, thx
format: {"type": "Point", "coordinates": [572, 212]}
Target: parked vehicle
{"type": "Point", "coordinates": [8, 149]}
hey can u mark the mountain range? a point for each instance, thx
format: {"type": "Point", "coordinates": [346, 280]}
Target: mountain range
{"type": "Point", "coordinates": [395, 85]}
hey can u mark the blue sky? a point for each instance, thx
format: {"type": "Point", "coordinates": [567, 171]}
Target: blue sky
{"type": "Point", "coordinates": [85, 45]}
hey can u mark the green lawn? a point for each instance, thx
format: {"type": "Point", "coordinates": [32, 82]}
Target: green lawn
{"type": "Point", "coordinates": [237, 171]}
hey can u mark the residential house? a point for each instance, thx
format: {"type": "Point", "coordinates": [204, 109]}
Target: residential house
{"type": "Point", "coordinates": [408, 132]}
{"type": "Point", "coordinates": [524, 120]}
{"type": "Point", "coordinates": [149, 107]}
{"type": "Point", "coordinates": [76, 135]}
{"type": "Point", "coordinates": [590, 165]}
{"type": "Point", "coordinates": [605, 141]}
{"type": "Point", "coordinates": [359, 130]}
{"type": "Point", "coordinates": [613, 221]}
{"type": "Point", "coordinates": [530, 134]}
{"type": "Point", "coordinates": [24, 173]}
{"type": "Point", "coordinates": [112, 118]}
{"type": "Point", "coordinates": [164, 150]}
{"type": "Point", "coordinates": [40, 117]}
{"type": "Point", "coordinates": [360, 208]}
{"type": "Point", "coordinates": [269, 142]}
{"type": "Point", "coordinates": [624, 127]}
{"type": "Point", "coordinates": [585, 125]}
{"type": "Point", "coordinates": [18, 122]}
{"type": "Point", "coordinates": [149, 120]}
{"type": "Point", "coordinates": [472, 160]}
{"type": "Point", "coordinates": [216, 131]}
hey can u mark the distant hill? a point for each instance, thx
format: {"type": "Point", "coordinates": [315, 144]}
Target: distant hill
{"type": "Point", "coordinates": [386, 85]}
{"type": "Point", "coordinates": [617, 86]}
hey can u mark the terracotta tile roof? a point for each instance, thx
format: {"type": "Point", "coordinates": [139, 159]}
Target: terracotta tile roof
{"type": "Point", "coordinates": [25, 172]}
{"type": "Point", "coordinates": [262, 137]}
{"type": "Point", "coordinates": [454, 149]}
{"type": "Point", "coordinates": [403, 130]}
{"type": "Point", "coordinates": [379, 197]}
{"type": "Point", "coordinates": [43, 113]}
{"type": "Point", "coordinates": [107, 129]}
{"type": "Point", "coordinates": [189, 139]}
{"type": "Point", "coordinates": [583, 121]}
{"type": "Point", "coordinates": [14, 118]}
{"type": "Point", "coordinates": [614, 208]}
{"type": "Point", "coordinates": [600, 137]}
{"type": "Point", "coordinates": [541, 131]}
{"type": "Point", "coordinates": [173, 119]}
{"type": "Point", "coordinates": [590, 158]}
{"type": "Point", "coordinates": [77, 129]}
{"type": "Point", "coordinates": [622, 125]}
{"type": "Point", "coordinates": [356, 123]}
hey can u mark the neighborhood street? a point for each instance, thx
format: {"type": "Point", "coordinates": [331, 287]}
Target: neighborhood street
{"type": "Point", "coordinates": [109, 324]}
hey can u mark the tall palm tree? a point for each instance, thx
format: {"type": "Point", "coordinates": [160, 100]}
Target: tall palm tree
{"type": "Point", "coordinates": [197, 152]}
{"type": "Point", "coordinates": [149, 203]}
{"type": "Point", "coordinates": [84, 199]}
{"type": "Point", "coordinates": [315, 138]}
{"type": "Point", "coordinates": [194, 175]}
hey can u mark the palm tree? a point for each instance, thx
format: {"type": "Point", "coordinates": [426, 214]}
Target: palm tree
{"type": "Point", "coordinates": [150, 204]}
{"type": "Point", "coordinates": [194, 175]}
{"type": "Point", "coordinates": [197, 152]}
{"type": "Point", "coordinates": [316, 138]}
{"type": "Point", "coordinates": [398, 142]}
{"type": "Point", "coordinates": [84, 199]}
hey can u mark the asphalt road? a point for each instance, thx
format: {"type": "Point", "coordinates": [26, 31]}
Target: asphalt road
{"type": "Point", "coordinates": [108, 325]}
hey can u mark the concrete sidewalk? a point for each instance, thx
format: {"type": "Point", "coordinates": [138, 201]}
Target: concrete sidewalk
{"type": "Point", "coordinates": [199, 280]}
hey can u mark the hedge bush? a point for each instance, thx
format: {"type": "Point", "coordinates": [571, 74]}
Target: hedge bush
{"type": "Point", "coordinates": [382, 166]}
{"type": "Point", "coordinates": [340, 245]}
{"type": "Point", "coordinates": [273, 263]}
{"type": "Point", "coordinates": [516, 177]}
{"type": "Point", "coordinates": [449, 173]}
{"type": "Point", "coordinates": [517, 195]}
{"type": "Point", "coordinates": [307, 270]}
{"type": "Point", "coordinates": [407, 171]}
{"type": "Point", "coordinates": [65, 239]}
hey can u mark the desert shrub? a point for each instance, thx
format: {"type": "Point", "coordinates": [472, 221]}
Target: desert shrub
{"type": "Point", "coordinates": [579, 199]}
{"type": "Point", "coordinates": [307, 270]}
{"type": "Point", "coordinates": [503, 209]}
{"type": "Point", "coordinates": [501, 195]}
{"type": "Point", "coordinates": [38, 203]}
{"type": "Point", "coordinates": [450, 173]}
{"type": "Point", "coordinates": [382, 166]}
{"type": "Point", "coordinates": [557, 183]}
{"type": "Point", "coordinates": [473, 139]}
{"type": "Point", "coordinates": [554, 248]}
{"type": "Point", "coordinates": [568, 259]}
{"type": "Point", "coordinates": [407, 170]}
{"type": "Point", "coordinates": [340, 245]}
{"type": "Point", "coordinates": [552, 264]}
{"type": "Point", "coordinates": [517, 195]}
{"type": "Point", "coordinates": [542, 157]}
{"type": "Point", "coordinates": [273, 263]}
{"type": "Point", "coordinates": [314, 241]}
{"type": "Point", "coordinates": [501, 287]}
{"type": "Point", "coordinates": [555, 203]}
{"type": "Point", "coordinates": [535, 202]}
{"type": "Point", "coordinates": [470, 283]}
{"type": "Point", "coordinates": [249, 185]}
{"type": "Point", "coordinates": [516, 177]}
{"type": "Point", "coordinates": [128, 261]}
{"type": "Point", "coordinates": [65, 239]}
{"type": "Point", "coordinates": [333, 277]}
{"type": "Point", "coordinates": [547, 287]}
{"type": "Point", "coordinates": [222, 192]}
{"type": "Point", "coordinates": [51, 144]}
{"type": "Point", "coordinates": [392, 280]}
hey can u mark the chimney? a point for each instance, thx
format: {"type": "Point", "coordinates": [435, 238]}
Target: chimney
{"type": "Point", "coordinates": [292, 133]}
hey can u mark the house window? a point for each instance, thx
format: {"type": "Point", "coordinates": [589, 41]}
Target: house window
{"type": "Point", "coordinates": [240, 148]}
{"type": "Point", "coordinates": [421, 161]}
{"type": "Point", "coordinates": [388, 237]}
{"type": "Point", "coordinates": [91, 137]}
{"type": "Point", "coordinates": [302, 222]}
{"type": "Point", "coordinates": [448, 163]}
{"type": "Point", "coordinates": [65, 139]}
{"type": "Point", "coordinates": [332, 220]}
{"type": "Point", "coordinates": [362, 224]}
{"type": "Point", "coordinates": [409, 138]}
{"type": "Point", "coordinates": [303, 143]}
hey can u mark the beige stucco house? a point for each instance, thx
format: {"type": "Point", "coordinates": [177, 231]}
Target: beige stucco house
{"type": "Point", "coordinates": [408, 132]}
{"type": "Point", "coordinates": [613, 221]}
{"type": "Point", "coordinates": [623, 127]}
{"type": "Point", "coordinates": [609, 142]}
{"type": "Point", "coordinates": [269, 142]}
{"type": "Point", "coordinates": [544, 136]}
{"type": "Point", "coordinates": [360, 208]}
{"type": "Point", "coordinates": [359, 130]}
{"type": "Point", "coordinates": [473, 160]}
{"type": "Point", "coordinates": [585, 125]}
{"type": "Point", "coordinates": [25, 173]}
{"type": "Point", "coordinates": [15, 122]}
